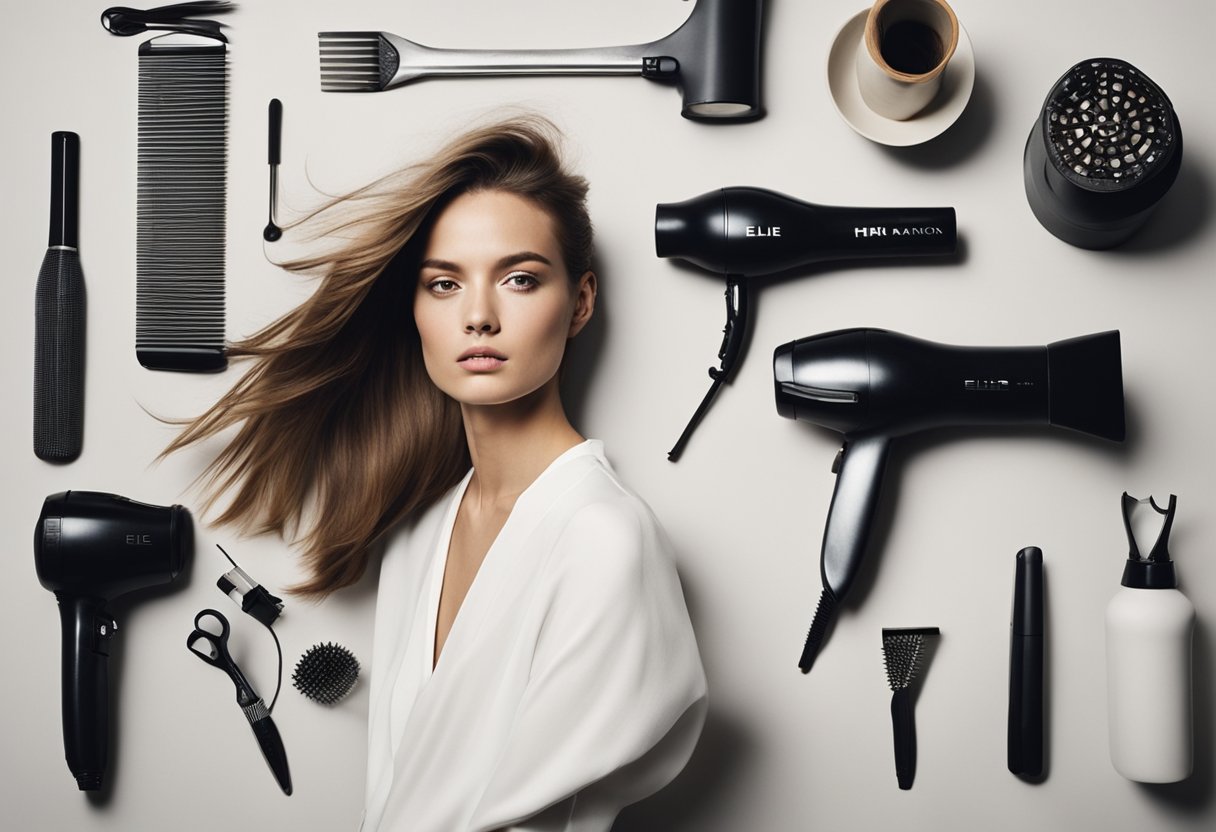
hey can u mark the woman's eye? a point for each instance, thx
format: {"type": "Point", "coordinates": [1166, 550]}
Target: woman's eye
{"type": "Point", "coordinates": [521, 280]}
{"type": "Point", "coordinates": [442, 286]}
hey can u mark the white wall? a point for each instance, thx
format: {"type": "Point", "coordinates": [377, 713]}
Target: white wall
{"type": "Point", "coordinates": [747, 503]}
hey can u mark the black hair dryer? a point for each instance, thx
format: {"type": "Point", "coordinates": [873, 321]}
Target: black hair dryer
{"type": "Point", "coordinates": [743, 232]}
{"type": "Point", "coordinates": [873, 385]}
{"type": "Point", "coordinates": [90, 548]}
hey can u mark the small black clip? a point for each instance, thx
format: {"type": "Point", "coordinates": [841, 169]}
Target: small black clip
{"type": "Point", "coordinates": [253, 598]}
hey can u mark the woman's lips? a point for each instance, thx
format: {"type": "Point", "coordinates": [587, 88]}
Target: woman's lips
{"type": "Point", "coordinates": [481, 360]}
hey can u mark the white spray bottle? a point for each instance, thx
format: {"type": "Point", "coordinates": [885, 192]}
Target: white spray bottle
{"type": "Point", "coordinates": [1148, 655]}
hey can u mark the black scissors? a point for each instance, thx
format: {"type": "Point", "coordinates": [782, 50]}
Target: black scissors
{"type": "Point", "coordinates": [213, 649]}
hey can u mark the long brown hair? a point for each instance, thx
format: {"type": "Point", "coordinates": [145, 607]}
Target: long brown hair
{"type": "Point", "coordinates": [337, 416]}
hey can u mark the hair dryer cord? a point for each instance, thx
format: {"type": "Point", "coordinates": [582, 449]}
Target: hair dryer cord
{"type": "Point", "coordinates": [733, 335]}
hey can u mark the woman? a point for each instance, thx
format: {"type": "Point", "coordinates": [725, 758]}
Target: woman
{"type": "Point", "coordinates": [533, 664]}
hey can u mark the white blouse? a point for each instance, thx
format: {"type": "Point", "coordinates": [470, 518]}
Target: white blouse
{"type": "Point", "coordinates": [570, 684]}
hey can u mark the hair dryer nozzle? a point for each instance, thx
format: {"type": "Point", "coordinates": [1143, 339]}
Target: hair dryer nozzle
{"type": "Point", "coordinates": [693, 230]}
{"type": "Point", "coordinates": [1087, 385]}
{"type": "Point", "coordinates": [718, 50]}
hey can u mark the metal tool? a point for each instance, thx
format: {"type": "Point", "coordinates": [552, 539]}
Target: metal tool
{"type": "Point", "coordinates": [213, 649]}
{"type": "Point", "coordinates": [274, 114]}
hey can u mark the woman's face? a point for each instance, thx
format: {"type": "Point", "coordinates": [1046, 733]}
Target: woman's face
{"type": "Point", "coordinates": [494, 305]}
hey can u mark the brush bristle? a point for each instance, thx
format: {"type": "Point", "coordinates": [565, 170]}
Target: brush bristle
{"type": "Point", "coordinates": [825, 614]}
{"type": "Point", "coordinates": [356, 61]}
{"type": "Point", "coordinates": [902, 652]}
{"type": "Point", "coordinates": [180, 239]}
{"type": "Point", "coordinates": [326, 673]}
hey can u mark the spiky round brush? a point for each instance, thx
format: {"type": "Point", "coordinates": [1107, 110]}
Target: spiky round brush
{"type": "Point", "coordinates": [326, 673]}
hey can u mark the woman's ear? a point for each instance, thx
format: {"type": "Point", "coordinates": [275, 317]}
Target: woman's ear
{"type": "Point", "coordinates": [584, 303]}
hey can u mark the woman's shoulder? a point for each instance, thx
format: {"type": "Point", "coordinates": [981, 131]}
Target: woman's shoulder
{"type": "Point", "coordinates": [608, 526]}
{"type": "Point", "coordinates": [601, 501]}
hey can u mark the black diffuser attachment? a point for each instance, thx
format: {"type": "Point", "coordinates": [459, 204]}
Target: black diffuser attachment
{"type": "Point", "coordinates": [326, 673]}
{"type": "Point", "coordinates": [1106, 148]}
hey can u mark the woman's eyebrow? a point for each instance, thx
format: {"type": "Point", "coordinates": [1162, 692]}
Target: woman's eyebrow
{"type": "Point", "coordinates": [441, 265]}
{"type": "Point", "coordinates": [503, 263]}
{"type": "Point", "coordinates": [522, 257]}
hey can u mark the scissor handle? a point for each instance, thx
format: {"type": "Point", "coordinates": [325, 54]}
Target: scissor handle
{"type": "Point", "coordinates": [216, 653]}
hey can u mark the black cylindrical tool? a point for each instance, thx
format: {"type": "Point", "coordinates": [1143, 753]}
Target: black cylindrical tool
{"type": "Point", "coordinates": [59, 322]}
{"type": "Point", "coordinates": [274, 116]}
{"type": "Point", "coordinates": [1105, 149]}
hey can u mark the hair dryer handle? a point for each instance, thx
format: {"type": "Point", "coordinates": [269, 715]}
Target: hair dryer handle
{"type": "Point", "coordinates": [87, 630]}
{"type": "Point", "coordinates": [858, 480]}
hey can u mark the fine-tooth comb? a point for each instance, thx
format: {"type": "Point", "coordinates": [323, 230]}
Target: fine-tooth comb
{"type": "Point", "coordinates": [902, 652]}
{"type": "Point", "coordinates": [715, 56]}
{"type": "Point", "coordinates": [183, 114]}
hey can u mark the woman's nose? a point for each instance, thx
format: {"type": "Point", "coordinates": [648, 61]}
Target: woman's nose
{"type": "Point", "coordinates": [480, 314]}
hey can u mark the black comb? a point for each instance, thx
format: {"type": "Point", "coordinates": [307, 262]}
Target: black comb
{"type": "Point", "coordinates": [902, 653]}
{"type": "Point", "coordinates": [183, 114]}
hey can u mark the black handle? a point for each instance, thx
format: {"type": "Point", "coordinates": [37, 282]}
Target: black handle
{"type": "Point", "coordinates": [854, 502]}
{"type": "Point", "coordinates": [275, 117]}
{"type": "Point", "coordinates": [65, 189]}
{"type": "Point", "coordinates": [59, 317]}
{"type": "Point", "coordinates": [903, 726]}
{"type": "Point", "coordinates": [86, 632]}
{"type": "Point", "coordinates": [271, 743]}
{"type": "Point", "coordinates": [859, 473]}
{"type": "Point", "coordinates": [1025, 736]}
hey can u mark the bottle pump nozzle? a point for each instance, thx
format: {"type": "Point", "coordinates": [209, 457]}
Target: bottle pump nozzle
{"type": "Point", "coordinates": [1156, 571]}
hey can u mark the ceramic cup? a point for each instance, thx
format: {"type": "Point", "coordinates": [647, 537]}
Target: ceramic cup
{"type": "Point", "coordinates": [904, 49]}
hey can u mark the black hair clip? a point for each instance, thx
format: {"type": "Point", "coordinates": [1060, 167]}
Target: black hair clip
{"type": "Point", "coordinates": [248, 593]}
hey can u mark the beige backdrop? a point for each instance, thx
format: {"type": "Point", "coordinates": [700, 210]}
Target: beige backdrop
{"type": "Point", "coordinates": [747, 503]}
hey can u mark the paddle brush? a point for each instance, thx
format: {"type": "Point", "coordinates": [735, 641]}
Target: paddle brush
{"type": "Point", "coordinates": [902, 652]}
{"type": "Point", "coordinates": [59, 316]}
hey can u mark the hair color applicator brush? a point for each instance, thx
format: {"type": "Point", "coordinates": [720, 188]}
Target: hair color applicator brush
{"type": "Point", "coordinates": [902, 653]}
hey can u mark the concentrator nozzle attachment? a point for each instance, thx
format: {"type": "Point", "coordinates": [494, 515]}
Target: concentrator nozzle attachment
{"type": "Point", "coordinates": [1154, 570]}
{"type": "Point", "coordinates": [1086, 383]}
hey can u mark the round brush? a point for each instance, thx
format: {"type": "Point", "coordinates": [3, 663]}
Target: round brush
{"type": "Point", "coordinates": [326, 673]}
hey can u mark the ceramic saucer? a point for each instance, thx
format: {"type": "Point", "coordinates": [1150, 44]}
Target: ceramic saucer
{"type": "Point", "coordinates": [957, 82]}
